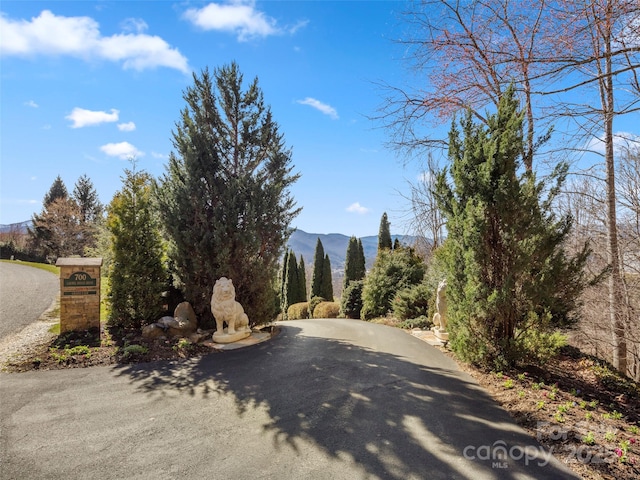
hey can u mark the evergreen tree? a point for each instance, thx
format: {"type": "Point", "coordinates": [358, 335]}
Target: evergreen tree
{"type": "Point", "coordinates": [137, 275]}
{"type": "Point", "coordinates": [318, 270]}
{"type": "Point", "coordinates": [282, 282]}
{"type": "Point", "coordinates": [224, 198]}
{"type": "Point", "coordinates": [327, 282]}
{"type": "Point", "coordinates": [354, 267]}
{"type": "Point", "coordinates": [292, 285]}
{"type": "Point", "coordinates": [302, 281]}
{"type": "Point", "coordinates": [361, 271]}
{"type": "Point", "coordinates": [384, 234]}
{"type": "Point", "coordinates": [91, 209]}
{"type": "Point", "coordinates": [87, 199]}
{"type": "Point", "coordinates": [58, 190]}
{"type": "Point", "coordinates": [509, 280]}
{"type": "Point", "coordinates": [393, 270]}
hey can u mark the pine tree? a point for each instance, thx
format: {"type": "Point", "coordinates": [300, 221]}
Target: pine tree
{"type": "Point", "coordinates": [91, 209]}
{"type": "Point", "coordinates": [318, 270]}
{"type": "Point", "coordinates": [224, 198]}
{"type": "Point", "coordinates": [58, 190]}
{"type": "Point", "coordinates": [509, 280]}
{"type": "Point", "coordinates": [384, 234]}
{"type": "Point", "coordinates": [87, 199]}
{"type": "Point", "coordinates": [137, 274]}
{"type": "Point", "coordinates": [354, 267]}
{"type": "Point", "coordinates": [327, 282]}
{"type": "Point", "coordinates": [302, 280]}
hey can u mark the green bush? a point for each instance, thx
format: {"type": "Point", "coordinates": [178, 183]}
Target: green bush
{"type": "Point", "coordinates": [351, 302]}
{"type": "Point", "coordinates": [314, 303]}
{"type": "Point", "coordinates": [412, 302]}
{"type": "Point", "coordinates": [327, 310]}
{"type": "Point", "coordinates": [392, 271]}
{"type": "Point", "coordinates": [420, 322]}
{"type": "Point", "coordinates": [298, 311]}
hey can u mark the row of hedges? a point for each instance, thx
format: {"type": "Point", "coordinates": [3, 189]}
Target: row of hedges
{"type": "Point", "coordinates": [322, 309]}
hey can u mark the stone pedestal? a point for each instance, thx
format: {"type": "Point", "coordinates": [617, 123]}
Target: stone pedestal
{"type": "Point", "coordinates": [441, 335]}
{"type": "Point", "coordinates": [225, 337]}
{"type": "Point", "coordinates": [79, 293]}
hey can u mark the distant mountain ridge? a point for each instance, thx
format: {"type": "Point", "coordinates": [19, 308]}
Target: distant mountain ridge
{"type": "Point", "coordinates": [301, 242]}
{"type": "Point", "coordinates": [335, 245]}
{"type": "Point", "coordinates": [20, 227]}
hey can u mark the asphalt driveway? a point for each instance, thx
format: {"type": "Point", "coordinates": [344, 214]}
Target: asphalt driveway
{"type": "Point", "coordinates": [25, 293]}
{"type": "Point", "coordinates": [324, 399]}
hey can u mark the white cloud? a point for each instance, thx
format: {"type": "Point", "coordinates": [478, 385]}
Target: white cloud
{"type": "Point", "coordinates": [238, 17]}
{"type": "Point", "coordinates": [158, 155]}
{"type": "Point", "coordinates": [122, 150]}
{"type": "Point", "coordinates": [621, 140]}
{"type": "Point", "coordinates": [31, 104]}
{"type": "Point", "coordinates": [80, 37]}
{"type": "Point", "coordinates": [127, 127]}
{"type": "Point", "coordinates": [84, 118]}
{"type": "Point", "coordinates": [322, 107]}
{"type": "Point", "coordinates": [357, 208]}
{"type": "Point", "coordinates": [137, 25]}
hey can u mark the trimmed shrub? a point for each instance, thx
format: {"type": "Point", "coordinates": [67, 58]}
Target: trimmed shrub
{"type": "Point", "coordinates": [327, 310]}
{"type": "Point", "coordinates": [314, 303]}
{"type": "Point", "coordinates": [298, 311]}
{"type": "Point", "coordinates": [412, 302]}
{"type": "Point", "coordinates": [351, 302]}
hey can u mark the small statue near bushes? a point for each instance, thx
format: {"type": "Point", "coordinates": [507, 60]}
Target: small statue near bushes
{"type": "Point", "coordinates": [225, 309]}
{"type": "Point", "coordinates": [440, 317]}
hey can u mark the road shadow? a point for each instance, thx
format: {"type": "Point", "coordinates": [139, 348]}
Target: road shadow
{"type": "Point", "coordinates": [395, 416]}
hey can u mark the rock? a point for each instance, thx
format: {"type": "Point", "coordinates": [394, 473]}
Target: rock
{"type": "Point", "coordinates": [186, 319]}
{"type": "Point", "coordinates": [153, 331]}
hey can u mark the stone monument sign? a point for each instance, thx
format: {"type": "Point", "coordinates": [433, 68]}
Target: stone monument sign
{"type": "Point", "coordinates": [79, 293]}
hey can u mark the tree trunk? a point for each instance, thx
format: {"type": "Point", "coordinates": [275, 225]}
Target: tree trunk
{"type": "Point", "coordinates": [615, 280]}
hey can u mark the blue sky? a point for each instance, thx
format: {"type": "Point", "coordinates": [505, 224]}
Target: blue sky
{"type": "Point", "coordinates": [86, 84]}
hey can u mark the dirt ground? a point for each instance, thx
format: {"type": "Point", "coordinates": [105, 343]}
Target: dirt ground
{"type": "Point", "coordinates": [576, 406]}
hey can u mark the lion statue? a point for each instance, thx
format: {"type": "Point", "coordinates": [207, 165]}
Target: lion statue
{"type": "Point", "coordinates": [225, 309]}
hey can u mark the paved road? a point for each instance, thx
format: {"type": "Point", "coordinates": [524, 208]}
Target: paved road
{"type": "Point", "coordinates": [25, 293]}
{"type": "Point", "coordinates": [324, 399]}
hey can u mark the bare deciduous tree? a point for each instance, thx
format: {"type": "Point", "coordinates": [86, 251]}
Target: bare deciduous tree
{"type": "Point", "coordinates": [575, 64]}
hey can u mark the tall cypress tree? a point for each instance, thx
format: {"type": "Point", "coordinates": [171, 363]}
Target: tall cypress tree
{"type": "Point", "coordinates": [318, 270]}
{"type": "Point", "coordinates": [292, 284]}
{"type": "Point", "coordinates": [302, 281]}
{"type": "Point", "coordinates": [327, 282]}
{"type": "Point", "coordinates": [224, 198]}
{"type": "Point", "coordinates": [509, 279]}
{"type": "Point", "coordinates": [361, 263]}
{"type": "Point", "coordinates": [384, 234]}
{"type": "Point", "coordinates": [354, 267]}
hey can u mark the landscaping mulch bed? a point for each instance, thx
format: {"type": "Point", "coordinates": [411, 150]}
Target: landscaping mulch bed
{"type": "Point", "coordinates": [577, 407]}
